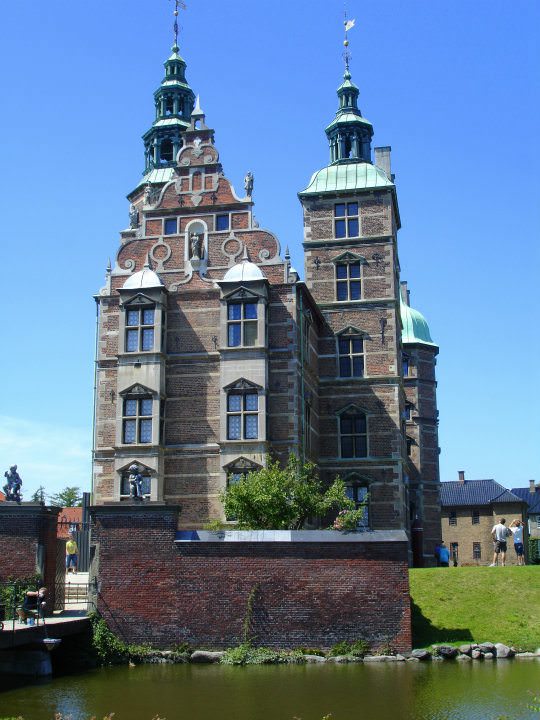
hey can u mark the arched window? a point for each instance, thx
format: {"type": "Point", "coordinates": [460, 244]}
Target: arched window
{"type": "Point", "coordinates": [353, 434]}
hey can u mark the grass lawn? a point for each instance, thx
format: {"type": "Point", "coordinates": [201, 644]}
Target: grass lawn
{"type": "Point", "coordinates": [459, 605]}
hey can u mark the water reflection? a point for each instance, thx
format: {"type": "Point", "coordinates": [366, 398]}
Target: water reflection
{"type": "Point", "coordinates": [438, 691]}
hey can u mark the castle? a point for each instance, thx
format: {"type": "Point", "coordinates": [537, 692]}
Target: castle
{"type": "Point", "coordinates": [213, 355]}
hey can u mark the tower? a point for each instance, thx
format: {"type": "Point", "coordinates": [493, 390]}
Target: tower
{"type": "Point", "coordinates": [351, 220]}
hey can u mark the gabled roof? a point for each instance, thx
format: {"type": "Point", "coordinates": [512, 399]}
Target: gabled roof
{"type": "Point", "coordinates": [532, 499]}
{"type": "Point", "coordinates": [475, 492]}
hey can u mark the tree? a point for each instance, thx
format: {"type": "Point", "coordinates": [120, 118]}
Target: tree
{"type": "Point", "coordinates": [39, 495]}
{"type": "Point", "coordinates": [276, 498]}
{"type": "Point", "coordinates": [68, 497]}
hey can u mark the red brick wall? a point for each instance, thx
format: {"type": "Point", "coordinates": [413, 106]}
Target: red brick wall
{"type": "Point", "coordinates": [22, 530]}
{"type": "Point", "coordinates": [306, 594]}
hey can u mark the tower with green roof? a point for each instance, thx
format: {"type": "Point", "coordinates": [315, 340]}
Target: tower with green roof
{"type": "Point", "coordinates": [421, 416]}
{"type": "Point", "coordinates": [174, 101]}
{"type": "Point", "coordinates": [351, 222]}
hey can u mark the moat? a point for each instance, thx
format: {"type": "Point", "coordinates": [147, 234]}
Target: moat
{"type": "Point", "coordinates": [438, 691]}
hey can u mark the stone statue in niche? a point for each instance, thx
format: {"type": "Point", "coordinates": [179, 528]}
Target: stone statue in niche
{"type": "Point", "coordinates": [195, 245]}
{"type": "Point", "coordinates": [147, 193]}
{"type": "Point", "coordinates": [135, 482]}
{"type": "Point", "coordinates": [248, 183]}
{"type": "Point", "coordinates": [133, 217]}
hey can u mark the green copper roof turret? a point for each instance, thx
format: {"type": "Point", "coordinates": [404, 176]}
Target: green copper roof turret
{"type": "Point", "coordinates": [174, 101]}
{"type": "Point", "coordinates": [349, 134]}
{"type": "Point", "coordinates": [415, 328]}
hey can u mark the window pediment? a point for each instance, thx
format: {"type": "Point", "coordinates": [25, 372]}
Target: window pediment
{"type": "Point", "coordinates": [137, 390]}
{"type": "Point", "coordinates": [138, 300]}
{"type": "Point", "coordinates": [242, 384]}
{"type": "Point", "coordinates": [242, 463]}
{"type": "Point", "coordinates": [351, 330]}
{"type": "Point", "coordinates": [145, 469]}
{"type": "Point", "coordinates": [351, 409]}
{"type": "Point", "coordinates": [242, 294]}
{"type": "Point", "coordinates": [349, 257]}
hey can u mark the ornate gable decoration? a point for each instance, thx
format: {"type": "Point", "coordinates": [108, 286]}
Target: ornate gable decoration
{"type": "Point", "coordinates": [137, 390]}
{"type": "Point", "coordinates": [349, 257]}
{"type": "Point", "coordinates": [242, 463]}
{"type": "Point", "coordinates": [242, 384]}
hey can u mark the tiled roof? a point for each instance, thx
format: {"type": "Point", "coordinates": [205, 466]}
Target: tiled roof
{"type": "Point", "coordinates": [2, 496]}
{"type": "Point", "coordinates": [68, 516]}
{"type": "Point", "coordinates": [532, 499]}
{"type": "Point", "coordinates": [475, 492]}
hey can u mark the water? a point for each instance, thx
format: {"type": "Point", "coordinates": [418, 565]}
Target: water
{"type": "Point", "coordinates": [398, 691]}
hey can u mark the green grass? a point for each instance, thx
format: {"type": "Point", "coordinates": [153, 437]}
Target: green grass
{"type": "Point", "coordinates": [464, 604]}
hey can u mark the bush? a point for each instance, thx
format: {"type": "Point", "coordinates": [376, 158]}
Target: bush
{"type": "Point", "coordinates": [311, 651]}
{"type": "Point", "coordinates": [534, 555]}
{"type": "Point", "coordinates": [359, 648]}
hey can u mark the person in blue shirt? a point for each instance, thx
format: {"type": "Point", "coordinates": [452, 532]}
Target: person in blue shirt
{"type": "Point", "coordinates": [444, 555]}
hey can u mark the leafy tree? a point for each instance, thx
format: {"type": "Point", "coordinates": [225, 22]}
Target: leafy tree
{"type": "Point", "coordinates": [276, 498]}
{"type": "Point", "coordinates": [68, 497]}
{"type": "Point", "coordinates": [39, 495]}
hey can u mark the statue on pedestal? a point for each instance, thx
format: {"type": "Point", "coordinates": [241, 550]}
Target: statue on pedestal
{"type": "Point", "coordinates": [133, 217]}
{"type": "Point", "coordinates": [12, 488]}
{"type": "Point", "coordinates": [195, 246]}
{"type": "Point", "coordinates": [248, 183]}
{"type": "Point", "coordinates": [135, 482]}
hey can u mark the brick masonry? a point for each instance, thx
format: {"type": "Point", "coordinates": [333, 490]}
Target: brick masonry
{"type": "Point", "coordinates": [305, 594]}
{"type": "Point", "coordinates": [28, 544]}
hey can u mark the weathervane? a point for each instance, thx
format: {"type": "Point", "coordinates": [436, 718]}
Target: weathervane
{"type": "Point", "coordinates": [348, 25]}
{"type": "Point", "coordinates": [177, 4]}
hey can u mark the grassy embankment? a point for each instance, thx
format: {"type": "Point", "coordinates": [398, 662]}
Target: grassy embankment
{"type": "Point", "coordinates": [459, 605]}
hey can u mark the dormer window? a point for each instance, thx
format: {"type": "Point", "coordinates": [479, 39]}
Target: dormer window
{"type": "Point", "coordinates": [140, 329]}
{"type": "Point", "coordinates": [241, 323]}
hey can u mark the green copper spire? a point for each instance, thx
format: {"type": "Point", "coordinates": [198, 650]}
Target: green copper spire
{"type": "Point", "coordinates": [174, 101]}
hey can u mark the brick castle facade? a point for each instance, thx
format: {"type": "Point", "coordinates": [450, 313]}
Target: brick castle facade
{"type": "Point", "coordinates": [214, 356]}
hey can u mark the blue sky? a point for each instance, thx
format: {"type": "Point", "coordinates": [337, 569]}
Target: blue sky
{"type": "Point", "coordinates": [452, 87]}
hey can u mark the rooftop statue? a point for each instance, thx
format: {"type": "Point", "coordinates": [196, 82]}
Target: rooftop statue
{"type": "Point", "coordinates": [12, 488]}
{"type": "Point", "coordinates": [248, 183]}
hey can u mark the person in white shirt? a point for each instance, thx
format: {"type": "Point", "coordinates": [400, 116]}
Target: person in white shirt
{"type": "Point", "coordinates": [516, 526]}
{"type": "Point", "coordinates": [499, 533]}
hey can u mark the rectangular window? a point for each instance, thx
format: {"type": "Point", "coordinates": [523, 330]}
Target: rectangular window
{"type": "Point", "coordinates": [137, 421]}
{"type": "Point", "coordinates": [348, 282]}
{"type": "Point", "coordinates": [477, 551]}
{"type": "Point", "coordinates": [353, 435]}
{"type": "Point", "coordinates": [406, 364]}
{"type": "Point", "coordinates": [170, 226]}
{"type": "Point", "coordinates": [307, 428]}
{"type": "Point", "coordinates": [351, 356]}
{"type": "Point", "coordinates": [222, 222]}
{"type": "Point", "coordinates": [358, 494]}
{"type": "Point", "coordinates": [475, 517]}
{"type": "Point", "coordinates": [242, 416]}
{"type": "Point", "coordinates": [241, 324]}
{"type": "Point", "coordinates": [407, 413]}
{"type": "Point", "coordinates": [140, 329]}
{"type": "Point", "coordinates": [346, 220]}
{"type": "Point", "coordinates": [452, 517]}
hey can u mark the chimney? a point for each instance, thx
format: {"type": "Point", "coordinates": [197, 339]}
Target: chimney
{"type": "Point", "coordinates": [532, 487]}
{"type": "Point", "coordinates": [405, 292]}
{"type": "Point", "coordinates": [382, 160]}
{"type": "Point", "coordinates": [461, 476]}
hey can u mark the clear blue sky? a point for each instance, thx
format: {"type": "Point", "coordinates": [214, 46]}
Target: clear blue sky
{"type": "Point", "coordinates": [452, 87]}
